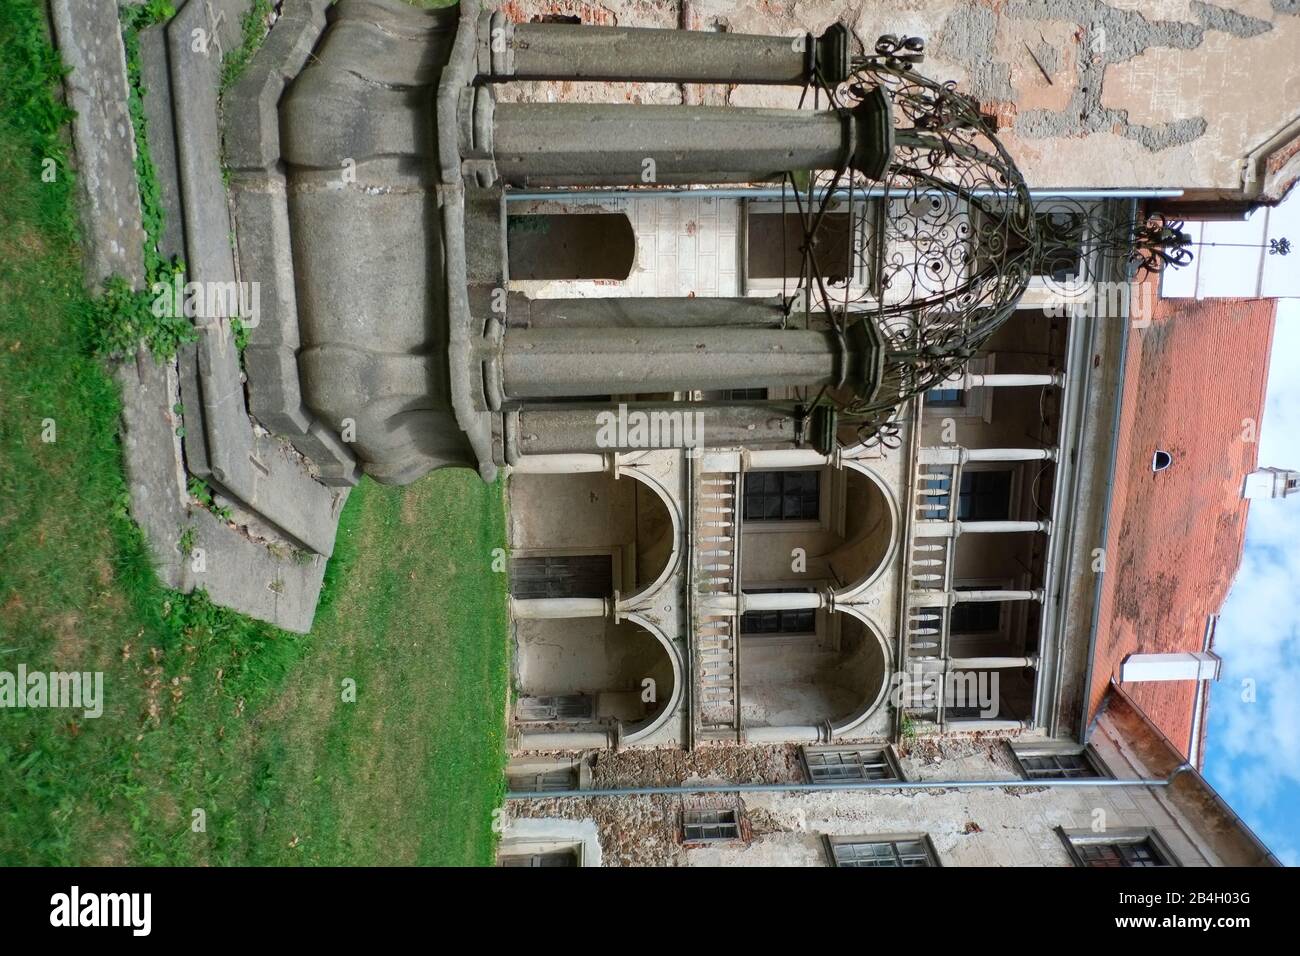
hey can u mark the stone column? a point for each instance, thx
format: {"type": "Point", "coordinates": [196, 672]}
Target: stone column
{"type": "Point", "coordinates": [785, 601]}
{"type": "Point", "coordinates": [969, 380]}
{"type": "Point", "coordinates": [953, 529]}
{"type": "Point", "coordinates": [556, 144]}
{"type": "Point", "coordinates": [959, 597]}
{"type": "Point", "coordinates": [566, 362]}
{"type": "Point", "coordinates": [785, 458]}
{"type": "Point", "coordinates": [561, 464]}
{"type": "Point", "coordinates": [550, 608]}
{"type": "Point", "coordinates": [786, 735]}
{"type": "Point", "coordinates": [580, 428]}
{"type": "Point", "coordinates": [558, 51]}
{"type": "Point", "coordinates": [990, 663]}
{"type": "Point", "coordinates": [645, 312]}
{"type": "Point", "coordinates": [956, 455]}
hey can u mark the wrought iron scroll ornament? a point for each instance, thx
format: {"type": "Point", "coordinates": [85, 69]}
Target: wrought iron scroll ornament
{"type": "Point", "coordinates": [941, 249]}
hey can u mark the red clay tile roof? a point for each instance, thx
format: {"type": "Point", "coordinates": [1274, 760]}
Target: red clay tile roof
{"type": "Point", "coordinates": [1175, 537]}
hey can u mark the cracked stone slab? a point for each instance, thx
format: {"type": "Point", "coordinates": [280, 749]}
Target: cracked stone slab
{"type": "Point", "coordinates": [151, 454]}
{"type": "Point", "coordinates": [270, 584]}
{"type": "Point", "coordinates": [89, 38]}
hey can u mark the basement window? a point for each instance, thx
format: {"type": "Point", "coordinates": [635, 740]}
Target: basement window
{"type": "Point", "coordinates": [1055, 765]}
{"type": "Point", "coordinates": [543, 781]}
{"type": "Point", "coordinates": [849, 764]}
{"type": "Point", "coordinates": [900, 851]}
{"type": "Point", "coordinates": [710, 826]}
{"type": "Point", "coordinates": [546, 858]}
{"type": "Point", "coordinates": [1161, 460]}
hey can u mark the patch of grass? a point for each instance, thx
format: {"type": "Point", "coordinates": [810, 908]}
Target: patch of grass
{"type": "Point", "coordinates": [200, 492]}
{"type": "Point", "coordinates": [121, 318]}
{"type": "Point", "coordinates": [254, 27]}
{"type": "Point", "coordinates": [410, 772]}
{"type": "Point", "coordinates": [205, 709]}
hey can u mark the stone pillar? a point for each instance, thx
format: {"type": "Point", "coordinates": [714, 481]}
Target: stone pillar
{"type": "Point", "coordinates": [1190, 665]}
{"type": "Point", "coordinates": [785, 458]}
{"type": "Point", "coordinates": [956, 455]}
{"type": "Point", "coordinates": [567, 362]}
{"type": "Point", "coordinates": [560, 740]}
{"type": "Point", "coordinates": [615, 312]}
{"type": "Point", "coordinates": [953, 529]}
{"type": "Point", "coordinates": [557, 51]}
{"type": "Point", "coordinates": [969, 380]}
{"type": "Point", "coordinates": [580, 428]}
{"type": "Point", "coordinates": [549, 608]}
{"type": "Point", "coordinates": [577, 144]}
{"type": "Point", "coordinates": [990, 663]}
{"type": "Point", "coordinates": [561, 464]}
{"type": "Point", "coordinates": [959, 597]}
{"type": "Point", "coordinates": [978, 724]}
{"type": "Point", "coordinates": [785, 601]}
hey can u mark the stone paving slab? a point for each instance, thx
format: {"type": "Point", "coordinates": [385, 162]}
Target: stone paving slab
{"type": "Point", "coordinates": [156, 80]}
{"type": "Point", "coordinates": [90, 43]}
{"type": "Point", "coordinates": [281, 588]}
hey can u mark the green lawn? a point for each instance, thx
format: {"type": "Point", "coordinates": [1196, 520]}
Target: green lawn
{"type": "Point", "coordinates": [205, 709]}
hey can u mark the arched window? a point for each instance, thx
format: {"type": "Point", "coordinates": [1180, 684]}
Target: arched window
{"type": "Point", "coordinates": [1161, 460]}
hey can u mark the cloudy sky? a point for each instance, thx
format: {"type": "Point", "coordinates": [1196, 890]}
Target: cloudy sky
{"type": "Point", "coordinates": [1252, 754]}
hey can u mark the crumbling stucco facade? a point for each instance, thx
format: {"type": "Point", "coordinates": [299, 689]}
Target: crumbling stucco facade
{"type": "Point", "coordinates": [1144, 94]}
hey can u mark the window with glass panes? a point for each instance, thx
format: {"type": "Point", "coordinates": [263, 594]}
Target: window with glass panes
{"type": "Point", "coordinates": [1121, 853]}
{"type": "Point", "coordinates": [882, 853]}
{"type": "Point", "coordinates": [703, 826]}
{"type": "Point", "coordinates": [782, 495]}
{"type": "Point", "coordinates": [944, 398]}
{"type": "Point", "coordinates": [984, 496]}
{"type": "Point", "coordinates": [1057, 766]}
{"type": "Point", "coordinates": [837, 766]}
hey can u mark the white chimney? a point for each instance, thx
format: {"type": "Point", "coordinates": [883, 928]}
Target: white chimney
{"type": "Point", "coordinates": [1271, 483]}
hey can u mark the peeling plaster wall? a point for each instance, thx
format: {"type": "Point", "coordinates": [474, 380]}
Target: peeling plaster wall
{"type": "Point", "coordinates": [1130, 93]}
{"type": "Point", "coordinates": [984, 827]}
